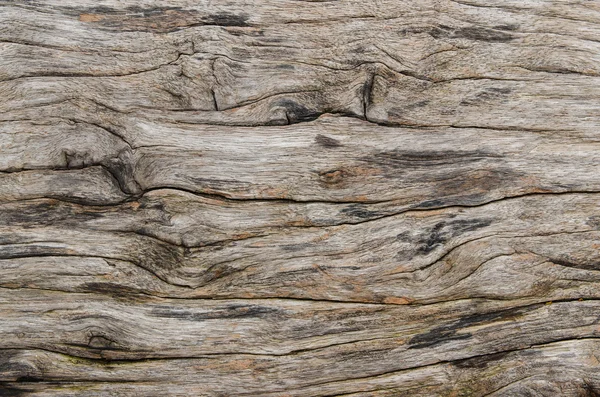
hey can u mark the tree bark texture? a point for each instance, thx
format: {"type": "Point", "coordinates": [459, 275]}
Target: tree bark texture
{"type": "Point", "coordinates": [300, 198]}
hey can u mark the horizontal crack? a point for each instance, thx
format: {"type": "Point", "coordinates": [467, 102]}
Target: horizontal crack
{"type": "Point", "coordinates": [90, 75]}
{"type": "Point", "coordinates": [442, 362]}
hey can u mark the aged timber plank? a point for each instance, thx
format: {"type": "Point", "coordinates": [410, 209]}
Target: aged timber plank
{"type": "Point", "coordinates": [334, 159]}
{"type": "Point", "coordinates": [390, 344]}
{"type": "Point", "coordinates": [299, 198]}
{"type": "Point", "coordinates": [531, 65]}
{"type": "Point", "coordinates": [540, 245]}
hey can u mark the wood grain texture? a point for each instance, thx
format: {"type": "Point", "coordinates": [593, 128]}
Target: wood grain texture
{"type": "Point", "coordinates": [300, 198]}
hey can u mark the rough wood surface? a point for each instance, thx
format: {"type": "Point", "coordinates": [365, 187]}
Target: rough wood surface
{"type": "Point", "coordinates": [300, 198]}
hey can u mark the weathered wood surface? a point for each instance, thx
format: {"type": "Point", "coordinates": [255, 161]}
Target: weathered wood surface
{"type": "Point", "coordinates": [300, 198]}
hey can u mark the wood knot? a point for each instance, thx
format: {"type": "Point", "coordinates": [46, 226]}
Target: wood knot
{"type": "Point", "coordinates": [332, 177]}
{"type": "Point", "coordinates": [101, 342]}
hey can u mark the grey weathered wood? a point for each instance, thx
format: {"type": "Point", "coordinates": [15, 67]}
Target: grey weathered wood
{"type": "Point", "coordinates": [299, 198]}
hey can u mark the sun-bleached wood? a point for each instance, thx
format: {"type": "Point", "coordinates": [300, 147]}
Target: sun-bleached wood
{"type": "Point", "coordinates": [299, 198]}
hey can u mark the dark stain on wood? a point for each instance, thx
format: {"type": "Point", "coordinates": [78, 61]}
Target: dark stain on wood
{"type": "Point", "coordinates": [159, 20]}
{"type": "Point", "coordinates": [471, 33]}
{"type": "Point", "coordinates": [486, 95]}
{"type": "Point", "coordinates": [296, 112]}
{"type": "Point", "coordinates": [566, 262]}
{"type": "Point", "coordinates": [399, 159]}
{"type": "Point", "coordinates": [237, 311]}
{"type": "Point", "coordinates": [443, 231]}
{"type": "Point", "coordinates": [9, 390]}
{"type": "Point", "coordinates": [481, 361]}
{"type": "Point", "coordinates": [447, 333]}
{"type": "Point", "coordinates": [361, 212]}
{"type": "Point", "coordinates": [327, 142]}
